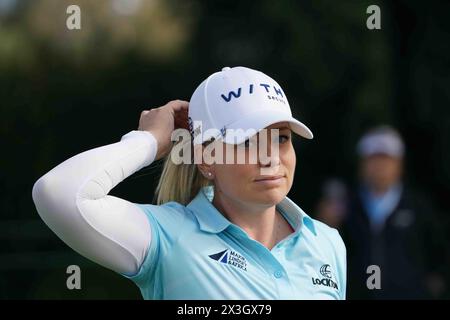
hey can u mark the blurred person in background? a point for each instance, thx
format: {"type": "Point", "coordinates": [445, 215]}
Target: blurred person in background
{"type": "Point", "coordinates": [391, 226]}
{"type": "Point", "coordinates": [332, 206]}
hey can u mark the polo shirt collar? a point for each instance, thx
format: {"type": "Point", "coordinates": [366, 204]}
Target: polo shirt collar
{"type": "Point", "coordinates": [211, 220]}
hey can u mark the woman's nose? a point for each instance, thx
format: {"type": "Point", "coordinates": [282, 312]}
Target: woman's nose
{"type": "Point", "coordinates": [269, 155]}
{"type": "Point", "coordinates": [272, 162]}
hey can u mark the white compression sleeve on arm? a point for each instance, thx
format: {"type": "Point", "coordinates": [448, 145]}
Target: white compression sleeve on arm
{"type": "Point", "coordinates": [73, 201]}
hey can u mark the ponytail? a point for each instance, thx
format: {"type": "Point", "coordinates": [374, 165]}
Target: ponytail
{"type": "Point", "coordinates": [179, 182]}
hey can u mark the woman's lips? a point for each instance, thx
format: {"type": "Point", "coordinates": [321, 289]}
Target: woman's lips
{"type": "Point", "coordinates": [270, 180]}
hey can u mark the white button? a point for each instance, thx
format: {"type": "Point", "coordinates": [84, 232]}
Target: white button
{"type": "Point", "coordinates": [278, 274]}
{"type": "Point", "coordinates": [226, 68]}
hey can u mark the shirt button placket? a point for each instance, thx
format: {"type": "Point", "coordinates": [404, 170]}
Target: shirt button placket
{"type": "Point", "coordinates": [283, 284]}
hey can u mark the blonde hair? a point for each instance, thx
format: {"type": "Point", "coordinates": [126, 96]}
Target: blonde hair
{"type": "Point", "coordinates": [179, 182]}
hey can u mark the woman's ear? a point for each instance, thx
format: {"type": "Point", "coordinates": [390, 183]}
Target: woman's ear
{"type": "Point", "coordinates": [207, 170]}
{"type": "Point", "coordinates": [207, 159]}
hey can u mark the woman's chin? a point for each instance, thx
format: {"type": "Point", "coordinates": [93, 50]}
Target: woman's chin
{"type": "Point", "coordinates": [271, 196]}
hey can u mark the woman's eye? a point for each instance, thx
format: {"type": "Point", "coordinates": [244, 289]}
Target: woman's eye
{"type": "Point", "coordinates": [248, 143]}
{"type": "Point", "coordinates": [283, 138]}
{"type": "Point", "coordinates": [251, 142]}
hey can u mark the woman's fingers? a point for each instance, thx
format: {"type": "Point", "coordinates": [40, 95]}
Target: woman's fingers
{"type": "Point", "coordinates": [180, 113]}
{"type": "Point", "coordinates": [162, 121]}
{"type": "Point", "coordinates": [178, 105]}
{"type": "Point", "coordinates": [181, 119]}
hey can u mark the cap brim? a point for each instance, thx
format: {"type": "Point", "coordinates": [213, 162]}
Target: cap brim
{"type": "Point", "coordinates": [253, 123]}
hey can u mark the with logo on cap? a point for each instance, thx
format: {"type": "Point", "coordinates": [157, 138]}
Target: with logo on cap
{"type": "Point", "coordinates": [243, 100]}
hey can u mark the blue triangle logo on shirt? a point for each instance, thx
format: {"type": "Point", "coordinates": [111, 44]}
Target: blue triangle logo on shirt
{"type": "Point", "coordinates": [230, 257]}
{"type": "Point", "coordinates": [225, 258]}
{"type": "Point", "coordinates": [217, 256]}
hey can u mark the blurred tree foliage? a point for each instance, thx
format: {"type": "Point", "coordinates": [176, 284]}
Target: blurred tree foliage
{"type": "Point", "coordinates": [65, 91]}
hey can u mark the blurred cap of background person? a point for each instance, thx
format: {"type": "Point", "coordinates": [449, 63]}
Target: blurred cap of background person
{"type": "Point", "coordinates": [381, 152]}
{"type": "Point", "coordinates": [383, 140]}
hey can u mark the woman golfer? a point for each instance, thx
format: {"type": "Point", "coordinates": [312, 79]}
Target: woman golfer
{"type": "Point", "coordinates": [219, 229]}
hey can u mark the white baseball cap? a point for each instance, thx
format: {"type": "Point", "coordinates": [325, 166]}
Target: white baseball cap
{"type": "Point", "coordinates": [381, 140]}
{"type": "Point", "coordinates": [243, 100]}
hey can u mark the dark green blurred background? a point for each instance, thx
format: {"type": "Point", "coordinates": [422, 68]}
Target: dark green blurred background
{"type": "Point", "coordinates": [63, 92]}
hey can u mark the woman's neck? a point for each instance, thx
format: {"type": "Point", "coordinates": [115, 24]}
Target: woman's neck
{"type": "Point", "coordinates": [263, 224]}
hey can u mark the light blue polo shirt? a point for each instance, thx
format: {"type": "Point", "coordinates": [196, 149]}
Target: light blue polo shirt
{"type": "Point", "coordinates": [196, 253]}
